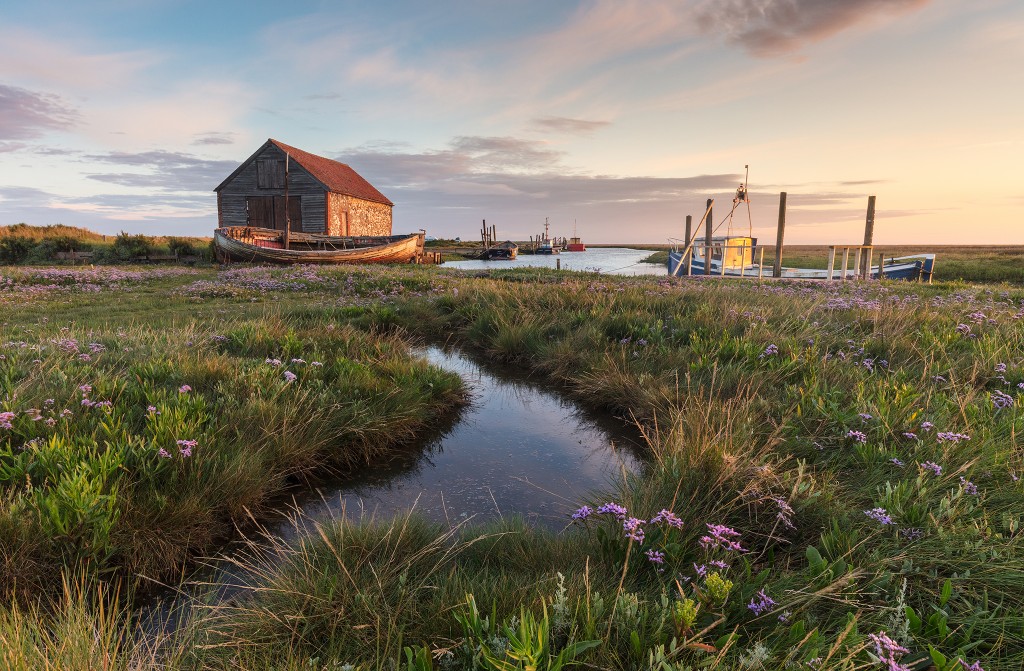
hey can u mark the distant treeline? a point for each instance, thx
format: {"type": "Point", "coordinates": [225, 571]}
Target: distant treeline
{"type": "Point", "coordinates": [25, 244]}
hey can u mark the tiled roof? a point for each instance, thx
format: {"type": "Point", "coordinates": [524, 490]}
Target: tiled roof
{"type": "Point", "coordinates": [336, 176]}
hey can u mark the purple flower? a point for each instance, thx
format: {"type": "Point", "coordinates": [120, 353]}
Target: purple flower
{"type": "Point", "coordinates": [163, 454]}
{"type": "Point", "coordinates": [887, 651]}
{"type": "Point", "coordinates": [911, 533]}
{"type": "Point", "coordinates": [700, 569]}
{"type": "Point", "coordinates": [634, 530]}
{"type": "Point", "coordinates": [723, 537]}
{"type": "Point", "coordinates": [927, 426]}
{"type": "Point", "coordinates": [612, 509]}
{"type": "Point", "coordinates": [184, 389]}
{"type": "Point", "coordinates": [963, 329]}
{"type": "Point", "coordinates": [185, 447]}
{"type": "Point", "coordinates": [669, 518]}
{"type": "Point", "coordinates": [864, 416]}
{"type": "Point", "coordinates": [583, 513]}
{"type": "Point", "coordinates": [880, 515]}
{"type": "Point", "coordinates": [273, 362]}
{"type": "Point", "coordinates": [761, 603]}
{"type": "Point", "coordinates": [932, 466]}
{"type": "Point", "coordinates": [897, 462]}
{"type": "Point", "coordinates": [970, 667]}
{"type": "Point", "coordinates": [85, 389]}
{"type": "Point", "coordinates": [290, 376]}
{"type": "Point", "coordinates": [858, 436]}
{"type": "Point", "coordinates": [770, 350]}
{"type": "Point", "coordinates": [1000, 367]}
{"type": "Point", "coordinates": [910, 435]}
{"type": "Point", "coordinates": [655, 557]}
{"type": "Point", "coordinates": [1001, 400]}
{"type": "Point", "coordinates": [969, 487]}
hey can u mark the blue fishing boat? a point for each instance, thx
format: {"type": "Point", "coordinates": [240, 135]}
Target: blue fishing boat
{"type": "Point", "coordinates": [733, 256]}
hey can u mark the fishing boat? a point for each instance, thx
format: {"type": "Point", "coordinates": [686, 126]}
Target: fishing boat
{"type": "Point", "coordinates": [733, 256]}
{"type": "Point", "coordinates": [503, 251]}
{"type": "Point", "coordinates": [265, 245]}
{"type": "Point", "coordinates": [575, 243]}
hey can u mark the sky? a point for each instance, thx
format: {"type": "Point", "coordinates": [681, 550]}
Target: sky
{"type": "Point", "coordinates": [615, 117]}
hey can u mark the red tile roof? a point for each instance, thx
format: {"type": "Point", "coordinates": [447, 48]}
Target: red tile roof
{"type": "Point", "coordinates": [336, 176]}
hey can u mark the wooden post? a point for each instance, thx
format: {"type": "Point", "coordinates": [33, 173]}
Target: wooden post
{"type": "Point", "coordinates": [846, 262]}
{"type": "Point", "coordinates": [831, 261]}
{"type": "Point", "coordinates": [558, 264]}
{"type": "Point", "coordinates": [287, 218]}
{"type": "Point", "coordinates": [760, 265]}
{"type": "Point", "coordinates": [707, 238]}
{"type": "Point", "coordinates": [857, 274]}
{"type": "Point", "coordinates": [780, 234]}
{"type": "Point", "coordinates": [687, 256]}
{"type": "Point", "coordinates": [869, 232]}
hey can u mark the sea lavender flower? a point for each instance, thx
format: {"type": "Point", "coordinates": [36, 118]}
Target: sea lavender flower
{"type": "Point", "coordinates": [761, 603]}
{"type": "Point", "coordinates": [951, 437]}
{"type": "Point", "coordinates": [85, 389]}
{"type": "Point", "coordinates": [163, 454]}
{"type": "Point", "coordinates": [700, 569]}
{"type": "Point", "coordinates": [721, 536]}
{"type": "Point", "coordinates": [911, 533]}
{"type": "Point", "coordinates": [612, 509]}
{"type": "Point", "coordinates": [316, 363]}
{"type": "Point", "coordinates": [963, 329]}
{"type": "Point", "coordinates": [880, 515]}
{"type": "Point", "coordinates": [932, 466]}
{"type": "Point", "coordinates": [888, 651]}
{"type": "Point", "coordinates": [858, 436]}
{"type": "Point", "coordinates": [1001, 400]}
{"type": "Point", "coordinates": [634, 530]}
{"type": "Point", "coordinates": [718, 563]}
{"type": "Point", "coordinates": [927, 426]}
{"type": "Point", "coordinates": [290, 376]}
{"type": "Point", "coordinates": [298, 361]}
{"type": "Point", "coordinates": [910, 435]}
{"type": "Point", "coordinates": [897, 462]}
{"type": "Point", "coordinates": [864, 416]}
{"type": "Point", "coordinates": [184, 389]}
{"type": "Point", "coordinates": [655, 557]}
{"type": "Point", "coordinates": [5, 419]}
{"type": "Point", "coordinates": [583, 513]}
{"type": "Point", "coordinates": [970, 667]}
{"type": "Point", "coordinates": [1000, 367]}
{"type": "Point", "coordinates": [669, 518]}
{"type": "Point", "coordinates": [273, 362]}
{"type": "Point", "coordinates": [770, 350]}
{"type": "Point", "coordinates": [152, 410]}
{"type": "Point", "coordinates": [969, 487]}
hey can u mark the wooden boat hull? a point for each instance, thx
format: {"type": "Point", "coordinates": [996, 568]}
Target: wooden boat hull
{"type": "Point", "coordinates": [261, 245]}
{"type": "Point", "coordinates": [914, 268]}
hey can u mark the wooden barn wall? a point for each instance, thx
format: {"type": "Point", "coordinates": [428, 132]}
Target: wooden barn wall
{"type": "Point", "coordinates": [364, 217]}
{"type": "Point", "coordinates": [300, 183]}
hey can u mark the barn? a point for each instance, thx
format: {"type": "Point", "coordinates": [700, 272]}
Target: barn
{"type": "Point", "coordinates": [316, 194]}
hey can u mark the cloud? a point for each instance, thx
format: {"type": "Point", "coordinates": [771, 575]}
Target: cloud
{"type": "Point", "coordinates": [214, 138]}
{"type": "Point", "coordinates": [559, 124]}
{"type": "Point", "coordinates": [27, 114]}
{"type": "Point", "coordinates": [173, 172]}
{"type": "Point", "coordinates": [777, 27]}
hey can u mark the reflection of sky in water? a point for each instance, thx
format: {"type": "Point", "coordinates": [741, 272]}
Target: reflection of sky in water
{"type": "Point", "coordinates": [515, 450]}
{"type": "Point", "coordinates": [611, 260]}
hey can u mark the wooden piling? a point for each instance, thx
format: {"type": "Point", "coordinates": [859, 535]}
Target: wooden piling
{"type": "Point", "coordinates": [780, 234]}
{"type": "Point", "coordinates": [687, 257]}
{"type": "Point", "coordinates": [708, 220]}
{"type": "Point", "coordinates": [558, 264]}
{"type": "Point", "coordinates": [869, 234]}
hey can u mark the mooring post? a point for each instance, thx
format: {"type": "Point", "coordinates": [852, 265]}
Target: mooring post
{"type": "Point", "coordinates": [869, 234]}
{"type": "Point", "coordinates": [687, 256]}
{"type": "Point", "coordinates": [558, 264]}
{"type": "Point", "coordinates": [779, 235]}
{"type": "Point", "coordinates": [707, 238]}
{"type": "Point", "coordinates": [831, 260]}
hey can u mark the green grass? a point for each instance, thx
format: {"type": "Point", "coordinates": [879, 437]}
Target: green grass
{"type": "Point", "coordinates": [768, 409]}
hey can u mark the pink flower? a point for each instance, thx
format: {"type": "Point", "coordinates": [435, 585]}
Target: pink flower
{"type": "Point", "coordinates": [290, 376]}
{"type": "Point", "coordinates": [184, 389]}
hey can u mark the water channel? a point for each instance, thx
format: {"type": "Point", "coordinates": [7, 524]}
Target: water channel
{"type": "Point", "coordinates": [608, 260]}
{"type": "Point", "coordinates": [516, 449]}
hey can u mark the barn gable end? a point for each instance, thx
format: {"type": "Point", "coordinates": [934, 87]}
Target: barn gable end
{"type": "Point", "coordinates": [324, 196]}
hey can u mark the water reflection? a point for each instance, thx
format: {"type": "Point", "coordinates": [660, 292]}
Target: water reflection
{"type": "Point", "coordinates": [610, 260]}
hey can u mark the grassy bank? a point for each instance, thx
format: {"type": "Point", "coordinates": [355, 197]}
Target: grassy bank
{"type": "Point", "coordinates": [139, 429]}
{"type": "Point", "coordinates": [834, 478]}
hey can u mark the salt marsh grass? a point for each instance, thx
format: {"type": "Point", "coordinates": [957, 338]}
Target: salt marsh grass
{"type": "Point", "coordinates": [834, 477]}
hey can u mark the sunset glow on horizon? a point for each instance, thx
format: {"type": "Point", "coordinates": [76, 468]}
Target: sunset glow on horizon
{"type": "Point", "coordinates": [623, 116]}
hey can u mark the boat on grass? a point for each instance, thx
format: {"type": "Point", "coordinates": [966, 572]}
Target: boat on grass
{"type": "Point", "coordinates": [733, 256]}
{"type": "Point", "coordinates": [503, 251]}
{"type": "Point", "coordinates": [265, 245]}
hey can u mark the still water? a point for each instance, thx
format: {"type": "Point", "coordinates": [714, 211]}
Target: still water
{"type": "Point", "coordinates": [517, 449]}
{"type": "Point", "coordinates": [611, 260]}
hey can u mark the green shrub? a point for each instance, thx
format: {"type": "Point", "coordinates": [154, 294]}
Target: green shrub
{"type": "Point", "coordinates": [13, 250]}
{"type": "Point", "coordinates": [181, 247]}
{"type": "Point", "coordinates": [128, 247]}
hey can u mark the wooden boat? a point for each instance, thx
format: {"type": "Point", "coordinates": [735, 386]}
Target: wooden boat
{"type": "Point", "coordinates": [732, 256]}
{"type": "Point", "coordinates": [503, 251]}
{"type": "Point", "coordinates": [264, 245]}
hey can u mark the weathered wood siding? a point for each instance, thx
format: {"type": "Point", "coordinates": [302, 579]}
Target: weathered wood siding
{"type": "Point", "coordinates": [231, 199]}
{"type": "Point", "coordinates": [354, 216]}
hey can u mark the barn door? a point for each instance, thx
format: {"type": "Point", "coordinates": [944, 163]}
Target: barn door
{"type": "Point", "coordinates": [268, 212]}
{"type": "Point", "coordinates": [260, 211]}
